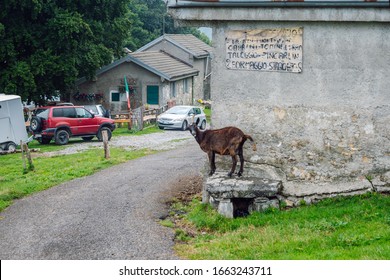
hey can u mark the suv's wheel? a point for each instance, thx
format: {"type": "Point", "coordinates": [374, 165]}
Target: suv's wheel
{"type": "Point", "coordinates": [62, 137]}
{"type": "Point", "coordinates": [35, 123]}
{"type": "Point", "coordinates": [100, 133]}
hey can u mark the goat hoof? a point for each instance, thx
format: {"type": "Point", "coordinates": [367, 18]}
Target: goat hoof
{"type": "Point", "coordinates": [239, 174]}
{"type": "Point", "coordinates": [230, 174]}
{"type": "Point", "coordinates": [211, 173]}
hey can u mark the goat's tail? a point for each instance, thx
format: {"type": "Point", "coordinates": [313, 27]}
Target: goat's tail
{"type": "Point", "coordinates": [254, 148]}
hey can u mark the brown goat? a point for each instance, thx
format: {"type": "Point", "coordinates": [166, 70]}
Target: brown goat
{"type": "Point", "coordinates": [224, 141]}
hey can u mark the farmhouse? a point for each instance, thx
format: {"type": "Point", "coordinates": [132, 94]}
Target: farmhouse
{"type": "Point", "coordinates": [191, 51]}
{"type": "Point", "coordinates": [172, 69]}
{"type": "Point", "coordinates": [309, 81]}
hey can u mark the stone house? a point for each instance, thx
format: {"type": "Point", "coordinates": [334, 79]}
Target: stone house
{"type": "Point", "coordinates": [154, 78]}
{"type": "Point", "coordinates": [190, 50]}
{"type": "Point", "coordinates": [309, 81]}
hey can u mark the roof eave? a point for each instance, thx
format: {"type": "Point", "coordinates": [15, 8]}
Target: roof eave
{"type": "Point", "coordinates": [181, 77]}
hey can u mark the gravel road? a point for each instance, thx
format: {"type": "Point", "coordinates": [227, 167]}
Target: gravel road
{"type": "Point", "coordinates": [112, 214]}
{"type": "Point", "coordinates": [166, 140]}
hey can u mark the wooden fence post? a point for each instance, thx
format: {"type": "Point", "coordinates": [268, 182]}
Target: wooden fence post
{"type": "Point", "coordinates": [23, 158]}
{"type": "Point", "coordinates": [105, 144]}
{"type": "Point", "coordinates": [26, 152]}
{"type": "Point", "coordinates": [30, 163]}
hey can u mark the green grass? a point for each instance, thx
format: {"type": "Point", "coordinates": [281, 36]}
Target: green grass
{"type": "Point", "coordinates": [51, 171]}
{"type": "Point", "coordinates": [343, 228]}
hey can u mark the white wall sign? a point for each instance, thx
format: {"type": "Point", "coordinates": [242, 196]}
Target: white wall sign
{"type": "Point", "coordinates": [277, 50]}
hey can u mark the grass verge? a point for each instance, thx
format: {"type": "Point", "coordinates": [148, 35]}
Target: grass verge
{"type": "Point", "coordinates": [51, 171]}
{"type": "Point", "coordinates": [348, 228]}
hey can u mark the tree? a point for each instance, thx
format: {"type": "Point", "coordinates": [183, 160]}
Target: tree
{"type": "Point", "coordinates": [47, 44]}
{"type": "Point", "coordinates": [150, 20]}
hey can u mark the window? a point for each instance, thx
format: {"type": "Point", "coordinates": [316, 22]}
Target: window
{"type": "Point", "coordinates": [115, 96]}
{"type": "Point", "coordinates": [64, 112]}
{"type": "Point", "coordinates": [82, 113]}
{"type": "Point", "coordinates": [152, 96]}
{"type": "Point", "coordinates": [186, 87]}
{"type": "Point", "coordinates": [173, 89]}
{"type": "Point", "coordinates": [69, 113]}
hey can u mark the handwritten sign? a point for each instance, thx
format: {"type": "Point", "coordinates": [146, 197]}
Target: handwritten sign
{"type": "Point", "coordinates": [276, 50]}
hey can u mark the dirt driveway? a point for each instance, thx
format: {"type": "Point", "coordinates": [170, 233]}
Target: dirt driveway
{"type": "Point", "coordinates": [112, 214]}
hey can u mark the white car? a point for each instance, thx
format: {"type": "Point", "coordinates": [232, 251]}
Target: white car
{"type": "Point", "coordinates": [179, 117]}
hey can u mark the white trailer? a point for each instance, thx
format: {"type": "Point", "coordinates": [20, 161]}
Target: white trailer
{"type": "Point", "coordinates": [12, 125]}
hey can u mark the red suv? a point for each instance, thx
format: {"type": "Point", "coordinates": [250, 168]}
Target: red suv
{"type": "Point", "coordinates": [63, 122]}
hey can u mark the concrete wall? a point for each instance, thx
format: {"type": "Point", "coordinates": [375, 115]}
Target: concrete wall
{"type": "Point", "coordinates": [328, 126]}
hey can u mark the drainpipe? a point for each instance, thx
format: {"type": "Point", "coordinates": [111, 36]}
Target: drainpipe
{"type": "Point", "coordinates": [192, 91]}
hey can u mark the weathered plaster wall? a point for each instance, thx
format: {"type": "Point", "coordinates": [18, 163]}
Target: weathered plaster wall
{"type": "Point", "coordinates": [326, 128]}
{"type": "Point", "coordinates": [331, 122]}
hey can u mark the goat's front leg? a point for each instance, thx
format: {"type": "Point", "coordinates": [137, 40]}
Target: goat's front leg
{"type": "Point", "coordinates": [211, 155]}
{"type": "Point", "coordinates": [234, 159]}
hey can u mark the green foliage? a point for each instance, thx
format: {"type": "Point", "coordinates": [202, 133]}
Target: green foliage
{"type": "Point", "coordinates": [47, 45]}
{"type": "Point", "coordinates": [340, 228]}
{"type": "Point", "coordinates": [150, 20]}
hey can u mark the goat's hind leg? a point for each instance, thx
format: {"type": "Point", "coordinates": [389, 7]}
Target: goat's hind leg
{"type": "Point", "coordinates": [211, 155]}
{"type": "Point", "coordinates": [240, 154]}
{"type": "Point", "coordinates": [234, 164]}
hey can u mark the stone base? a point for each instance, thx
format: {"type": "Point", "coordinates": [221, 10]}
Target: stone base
{"type": "Point", "coordinates": [234, 197]}
{"type": "Point", "coordinates": [239, 196]}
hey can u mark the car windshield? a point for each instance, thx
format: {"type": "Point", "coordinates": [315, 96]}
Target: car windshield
{"type": "Point", "coordinates": [177, 110]}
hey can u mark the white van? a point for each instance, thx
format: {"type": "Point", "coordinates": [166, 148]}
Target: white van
{"type": "Point", "coordinates": [12, 125]}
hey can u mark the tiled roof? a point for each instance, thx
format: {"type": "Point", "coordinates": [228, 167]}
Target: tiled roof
{"type": "Point", "coordinates": [164, 65]}
{"type": "Point", "coordinates": [159, 63]}
{"type": "Point", "coordinates": [191, 43]}
{"type": "Point", "coordinates": [187, 42]}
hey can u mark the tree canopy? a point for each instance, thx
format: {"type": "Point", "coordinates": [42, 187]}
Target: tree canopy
{"type": "Point", "coordinates": [47, 44]}
{"type": "Point", "coordinates": [151, 20]}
